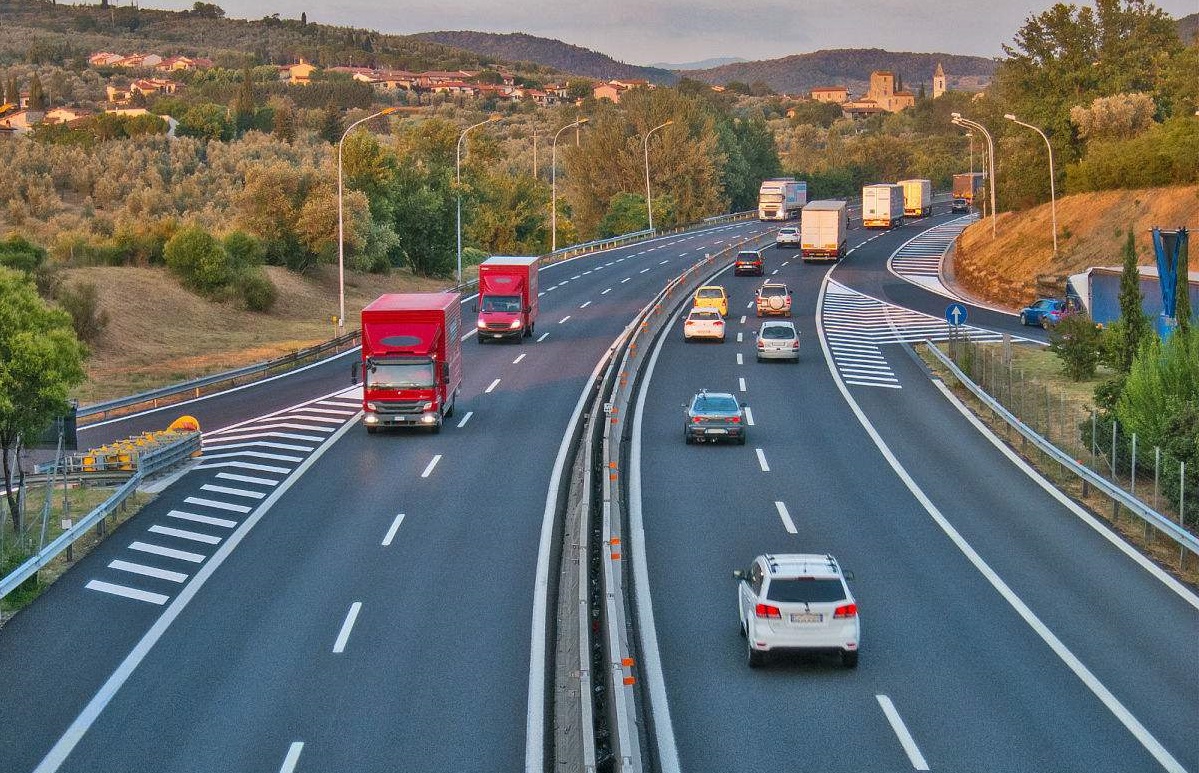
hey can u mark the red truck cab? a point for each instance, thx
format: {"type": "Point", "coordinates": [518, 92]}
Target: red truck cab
{"type": "Point", "coordinates": [411, 360]}
{"type": "Point", "coordinates": [507, 303]}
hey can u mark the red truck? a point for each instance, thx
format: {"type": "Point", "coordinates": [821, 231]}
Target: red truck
{"type": "Point", "coordinates": [411, 360]}
{"type": "Point", "coordinates": [507, 303]}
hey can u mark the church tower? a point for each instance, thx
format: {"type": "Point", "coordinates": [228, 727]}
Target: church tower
{"type": "Point", "coordinates": [939, 81]}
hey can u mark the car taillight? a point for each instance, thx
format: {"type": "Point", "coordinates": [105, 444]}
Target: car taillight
{"type": "Point", "coordinates": [696, 419]}
{"type": "Point", "coordinates": [795, 344]}
{"type": "Point", "coordinates": [735, 419]}
{"type": "Point", "coordinates": [718, 323]}
{"type": "Point", "coordinates": [765, 610]}
{"type": "Point", "coordinates": [846, 610]}
{"type": "Point", "coordinates": [761, 344]}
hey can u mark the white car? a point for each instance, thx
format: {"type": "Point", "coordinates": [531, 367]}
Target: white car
{"type": "Point", "coordinates": [704, 322]}
{"type": "Point", "coordinates": [788, 236]}
{"type": "Point", "coordinates": [777, 340]}
{"type": "Point", "coordinates": [797, 602]}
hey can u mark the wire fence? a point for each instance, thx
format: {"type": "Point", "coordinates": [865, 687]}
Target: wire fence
{"type": "Point", "coordinates": [1148, 472]}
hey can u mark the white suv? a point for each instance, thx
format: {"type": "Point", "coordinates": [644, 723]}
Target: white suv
{"type": "Point", "coordinates": [798, 602]}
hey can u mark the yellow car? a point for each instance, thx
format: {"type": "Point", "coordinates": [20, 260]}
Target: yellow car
{"type": "Point", "coordinates": [712, 297]}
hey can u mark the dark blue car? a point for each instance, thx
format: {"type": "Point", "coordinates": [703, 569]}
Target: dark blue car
{"type": "Point", "coordinates": [1046, 312]}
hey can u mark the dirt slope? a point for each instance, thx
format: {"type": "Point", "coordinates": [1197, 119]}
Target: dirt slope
{"type": "Point", "coordinates": [158, 333]}
{"type": "Point", "coordinates": [1018, 265]}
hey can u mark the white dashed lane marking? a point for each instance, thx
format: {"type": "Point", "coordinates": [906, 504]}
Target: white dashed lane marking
{"type": "Point", "coordinates": [762, 460]}
{"type": "Point", "coordinates": [432, 464]}
{"type": "Point", "coordinates": [785, 516]}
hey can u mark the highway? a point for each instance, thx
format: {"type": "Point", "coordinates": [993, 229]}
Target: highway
{"type": "Point", "coordinates": [314, 598]}
{"type": "Point", "coordinates": [1001, 629]}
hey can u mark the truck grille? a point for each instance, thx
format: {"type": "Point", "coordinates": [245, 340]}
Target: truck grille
{"type": "Point", "coordinates": [497, 326]}
{"type": "Point", "coordinates": [400, 406]}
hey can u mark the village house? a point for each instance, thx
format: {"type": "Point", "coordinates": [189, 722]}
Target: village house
{"type": "Point", "coordinates": [176, 63]}
{"type": "Point", "coordinates": [104, 59]}
{"type": "Point", "coordinates": [886, 93]}
{"type": "Point", "coordinates": [22, 121]}
{"type": "Point", "coordinates": [65, 115]}
{"type": "Point", "coordinates": [837, 94]}
{"type": "Point", "coordinates": [299, 74]}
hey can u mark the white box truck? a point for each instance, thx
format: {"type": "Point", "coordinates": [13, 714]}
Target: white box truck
{"type": "Point", "coordinates": [917, 197]}
{"type": "Point", "coordinates": [882, 205]}
{"type": "Point", "coordinates": [781, 198]}
{"type": "Point", "coordinates": [823, 230]}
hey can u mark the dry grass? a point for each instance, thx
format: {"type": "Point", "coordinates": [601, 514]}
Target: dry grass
{"type": "Point", "coordinates": [1091, 232]}
{"type": "Point", "coordinates": [159, 333]}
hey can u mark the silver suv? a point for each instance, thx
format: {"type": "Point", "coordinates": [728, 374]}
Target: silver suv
{"type": "Point", "coordinates": [714, 416]}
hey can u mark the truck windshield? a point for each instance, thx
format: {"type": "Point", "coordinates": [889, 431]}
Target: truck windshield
{"type": "Point", "coordinates": [400, 375]}
{"type": "Point", "coordinates": [770, 198]}
{"type": "Point", "coordinates": [510, 303]}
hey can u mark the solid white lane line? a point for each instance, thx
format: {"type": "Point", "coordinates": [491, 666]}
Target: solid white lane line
{"type": "Point", "coordinates": [183, 515]}
{"type": "Point", "coordinates": [237, 492]}
{"type": "Point", "coordinates": [343, 635]}
{"type": "Point", "coordinates": [740, 361]}
{"type": "Point", "coordinates": [762, 460]}
{"type": "Point", "coordinates": [193, 536]}
{"type": "Point", "coordinates": [741, 384]}
{"type": "Point", "coordinates": [465, 419]}
{"type": "Point", "coordinates": [605, 292]}
{"type": "Point", "coordinates": [1113, 704]}
{"type": "Point", "coordinates": [129, 593]}
{"type": "Point", "coordinates": [788, 524]}
{"type": "Point", "coordinates": [391, 533]}
{"type": "Point", "coordinates": [247, 479]}
{"type": "Point", "coordinates": [901, 731]}
{"type": "Point", "coordinates": [543, 337]}
{"type": "Point", "coordinates": [293, 757]}
{"type": "Point", "coordinates": [432, 463]}
{"type": "Point", "coordinates": [148, 571]}
{"type": "Point", "coordinates": [159, 550]}
{"type": "Point", "coordinates": [491, 386]}
{"type": "Point", "coordinates": [749, 416]}
{"type": "Point", "coordinates": [585, 305]}
{"type": "Point", "coordinates": [739, 337]}
{"type": "Point", "coordinates": [518, 359]}
{"type": "Point", "coordinates": [218, 505]}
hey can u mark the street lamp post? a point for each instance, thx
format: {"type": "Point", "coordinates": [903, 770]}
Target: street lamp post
{"type": "Point", "coordinates": [970, 136]}
{"type": "Point", "coordinates": [958, 120]}
{"type": "Point", "coordinates": [1052, 189]}
{"type": "Point", "coordinates": [554, 182]}
{"type": "Point", "coordinates": [341, 248]}
{"type": "Point", "coordinates": [458, 184]}
{"type": "Point", "coordinates": [649, 204]}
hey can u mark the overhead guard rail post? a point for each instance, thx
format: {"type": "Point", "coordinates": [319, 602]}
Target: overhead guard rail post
{"type": "Point", "coordinates": [1163, 524]}
{"type": "Point", "coordinates": [638, 338]}
{"type": "Point", "coordinates": [155, 461]}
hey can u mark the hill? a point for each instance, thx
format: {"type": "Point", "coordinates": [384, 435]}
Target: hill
{"type": "Point", "coordinates": [520, 47]}
{"type": "Point", "coordinates": [1017, 266]}
{"type": "Point", "coordinates": [800, 73]}
{"type": "Point", "coordinates": [1188, 28]}
{"type": "Point", "coordinates": [702, 65]}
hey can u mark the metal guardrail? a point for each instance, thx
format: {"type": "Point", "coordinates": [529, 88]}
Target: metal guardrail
{"type": "Point", "coordinates": [1150, 516]}
{"type": "Point", "coordinates": [150, 463]}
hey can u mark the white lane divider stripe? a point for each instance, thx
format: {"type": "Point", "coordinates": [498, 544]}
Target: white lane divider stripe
{"type": "Point", "coordinates": [222, 446]}
{"type": "Point", "coordinates": [563, 319]}
{"type": "Point", "coordinates": [741, 383]}
{"type": "Point", "coordinates": [465, 419]}
{"type": "Point", "coordinates": [432, 463]}
{"type": "Point", "coordinates": [742, 319]}
{"type": "Point", "coordinates": [471, 333]}
{"type": "Point", "coordinates": [183, 515]}
{"type": "Point", "coordinates": [343, 635]}
{"type": "Point", "coordinates": [642, 271]}
{"type": "Point", "coordinates": [543, 337]}
{"type": "Point", "coordinates": [218, 505]}
{"type": "Point", "coordinates": [193, 536]}
{"type": "Point", "coordinates": [491, 386]}
{"type": "Point", "coordinates": [605, 292]}
{"type": "Point", "coordinates": [159, 550]}
{"type": "Point", "coordinates": [221, 438]}
{"type": "Point", "coordinates": [330, 411]}
{"type": "Point", "coordinates": [739, 337]}
{"type": "Point", "coordinates": [245, 466]}
{"type": "Point", "coordinates": [237, 492]}
{"type": "Point", "coordinates": [247, 479]}
{"type": "Point", "coordinates": [255, 455]}
{"type": "Point", "coordinates": [627, 278]}
{"type": "Point", "coordinates": [788, 524]}
{"type": "Point", "coordinates": [585, 305]}
{"type": "Point", "coordinates": [147, 571]}
{"type": "Point", "coordinates": [749, 416]}
{"type": "Point", "coordinates": [762, 460]}
{"type": "Point", "coordinates": [391, 533]}
{"type": "Point", "coordinates": [518, 359]}
{"type": "Point", "coordinates": [293, 757]}
{"type": "Point", "coordinates": [901, 731]}
{"type": "Point", "coordinates": [129, 593]}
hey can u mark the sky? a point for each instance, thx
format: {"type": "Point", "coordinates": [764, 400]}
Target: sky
{"type": "Point", "coordinates": [678, 31]}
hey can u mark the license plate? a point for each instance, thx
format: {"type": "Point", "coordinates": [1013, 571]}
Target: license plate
{"type": "Point", "coordinates": [806, 617]}
{"type": "Point", "coordinates": [716, 431]}
{"type": "Point", "coordinates": [497, 335]}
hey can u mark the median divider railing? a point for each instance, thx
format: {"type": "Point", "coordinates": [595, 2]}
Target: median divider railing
{"type": "Point", "coordinates": [149, 463]}
{"type": "Point", "coordinates": [615, 703]}
{"type": "Point", "coordinates": [1164, 525]}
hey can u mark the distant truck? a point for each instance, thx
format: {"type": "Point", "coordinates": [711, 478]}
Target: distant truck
{"type": "Point", "coordinates": [411, 360]}
{"type": "Point", "coordinates": [882, 205]}
{"type": "Point", "coordinates": [917, 197]}
{"type": "Point", "coordinates": [781, 198]}
{"type": "Point", "coordinates": [824, 230]}
{"type": "Point", "coordinates": [507, 304]}
{"type": "Point", "coordinates": [966, 186]}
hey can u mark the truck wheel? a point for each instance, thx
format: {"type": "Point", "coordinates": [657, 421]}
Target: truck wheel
{"type": "Point", "coordinates": [435, 429]}
{"type": "Point", "coordinates": [754, 658]}
{"type": "Point", "coordinates": [371, 430]}
{"type": "Point", "coordinates": [849, 659]}
{"type": "Point", "coordinates": [1023, 319]}
{"type": "Point", "coordinates": [481, 338]}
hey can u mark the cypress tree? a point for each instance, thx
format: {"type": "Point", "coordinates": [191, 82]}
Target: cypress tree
{"type": "Point", "coordinates": [37, 94]}
{"type": "Point", "coordinates": [1182, 307]}
{"type": "Point", "coordinates": [1134, 323]}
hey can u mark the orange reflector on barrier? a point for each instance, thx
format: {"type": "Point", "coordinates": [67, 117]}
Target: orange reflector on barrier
{"type": "Point", "coordinates": [626, 662]}
{"type": "Point", "coordinates": [616, 556]}
{"type": "Point", "coordinates": [628, 680]}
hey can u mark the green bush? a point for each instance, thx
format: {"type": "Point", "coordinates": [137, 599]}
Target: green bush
{"type": "Point", "coordinates": [244, 250]}
{"type": "Point", "coordinates": [82, 302]}
{"type": "Point", "coordinates": [1076, 340]}
{"type": "Point", "coordinates": [18, 252]}
{"type": "Point", "coordinates": [256, 290]}
{"type": "Point", "coordinates": [199, 260]}
{"type": "Point", "coordinates": [1167, 154]}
